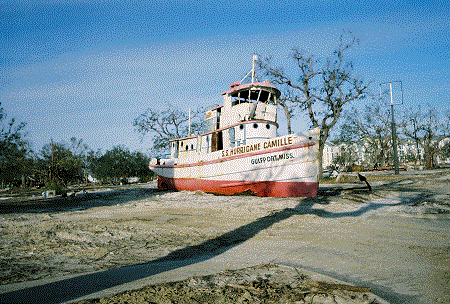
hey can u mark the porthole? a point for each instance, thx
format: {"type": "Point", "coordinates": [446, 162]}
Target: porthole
{"type": "Point", "coordinates": [255, 125]}
{"type": "Point", "coordinates": [192, 147]}
{"type": "Point", "coordinates": [241, 127]}
{"type": "Point", "coordinates": [267, 126]}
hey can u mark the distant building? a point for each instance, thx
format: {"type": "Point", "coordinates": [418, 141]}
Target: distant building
{"type": "Point", "coordinates": [409, 152]}
{"type": "Point", "coordinates": [329, 150]}
{"type": "Point", "coordinates": [442, 143]}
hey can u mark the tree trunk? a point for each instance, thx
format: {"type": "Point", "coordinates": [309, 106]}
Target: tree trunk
{"type": "Point", "coordinates": [428, 155]}
{"type": "Point", "coordinates": [428, 162]}
{"type": "Point", "coordinates": [287, 113]}
{"type": "Point", "coordinates": [320, 159]}
{"type": "Point", "coordinates": [288, 119]}
{"type": "Point", "coordinates": [323, 135]}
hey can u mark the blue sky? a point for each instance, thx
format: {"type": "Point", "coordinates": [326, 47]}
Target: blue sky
{"type": "Point", "coordinates": [88, 68]}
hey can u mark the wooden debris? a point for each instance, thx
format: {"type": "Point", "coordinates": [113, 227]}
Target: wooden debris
{"type": "Point", "coordinates": [324, 285]}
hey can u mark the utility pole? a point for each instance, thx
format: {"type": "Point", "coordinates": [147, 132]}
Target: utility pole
{"type": "Point", "coordinates": [393, 127]}
{"type": "Point", "coordinates": [394, 133]}
{"type": "Point", "coordinates": [52, 164]}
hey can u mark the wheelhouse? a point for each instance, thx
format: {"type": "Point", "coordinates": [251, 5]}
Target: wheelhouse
{"type": "Point", "coordinates": [248, 115]}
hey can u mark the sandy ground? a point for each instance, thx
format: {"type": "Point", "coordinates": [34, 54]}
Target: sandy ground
{"type": "Point", "coordinates": [394, 240]}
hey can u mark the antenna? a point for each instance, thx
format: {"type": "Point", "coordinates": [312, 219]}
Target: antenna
{"type": "Point", "coordinates": [392, 87]}
{"type": "Point", "coordinates": [393, 128]}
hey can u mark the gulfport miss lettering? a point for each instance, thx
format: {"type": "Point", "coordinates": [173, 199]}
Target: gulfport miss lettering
{"type": "Point", "coordinates": [271, 158]}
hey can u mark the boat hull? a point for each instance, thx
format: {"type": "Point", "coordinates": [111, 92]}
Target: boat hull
{"type": "Point", "coordinates": [259, 188]}
{"type": "Point", "coordinates": [280, 167]}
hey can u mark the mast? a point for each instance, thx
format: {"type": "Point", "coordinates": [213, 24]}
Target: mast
{"type": "Point", "coordinates": [255, 57]}
{"type": "Point", "coordinates": [189, 132]}
{"type": "Point", "coordinates": [252, 71]}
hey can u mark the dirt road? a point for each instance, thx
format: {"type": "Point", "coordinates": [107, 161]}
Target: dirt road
{"type": "Point", "coordinates": [395, 240]}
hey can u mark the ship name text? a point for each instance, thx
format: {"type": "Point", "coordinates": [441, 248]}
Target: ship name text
{"type": "Point", "coordinates": [285, 141]}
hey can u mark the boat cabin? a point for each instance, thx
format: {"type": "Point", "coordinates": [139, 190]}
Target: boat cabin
{"type": "Point", "coordinates": [248, 115]}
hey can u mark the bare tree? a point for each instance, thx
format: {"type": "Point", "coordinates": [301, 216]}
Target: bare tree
{"type": "Point", "coordinates": [78, 147]}
{"type": "Point", "coordinates": [371, 126]}
{"type": "Point", "coordinates": [166, 125]}
{"type": "Point", "coordinates": [288, 112]}
{"type": "Point", "coordinates": [427, 129]}
{"type": "Point", "coordinates": [346, 156]}
{"type": "Point", "coordinates": [322, 87]}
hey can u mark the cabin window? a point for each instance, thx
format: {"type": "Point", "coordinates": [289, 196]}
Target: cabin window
{"type": "Point", "coordinates": [231, 133]}
{"type": "Point", "coordinates": [243, 96]}
{"type": "Point", "coordinates": [220, 141]}
{"type": "Point", "coordinates": [175, 146]}
{"type": "Point", "coordinates": [217, 141]}
{"type": "Point", "coordinates": [252, 95]}
{"type": "Point", "coordinates": [214, 142]}
{"type": "Point", "coordinates": [239, 97]}
{"type": "Point", "coordinates": [236, 100]}
{"type": "Point", "coordinates": [199, 144]}
{"type": "Point", "coordinates": [264, 96]}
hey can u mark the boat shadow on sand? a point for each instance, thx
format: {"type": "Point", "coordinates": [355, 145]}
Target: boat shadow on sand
{"type": "Point", "coordinates": [82, 285]}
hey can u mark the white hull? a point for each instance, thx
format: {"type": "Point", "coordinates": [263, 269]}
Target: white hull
{"type": "Point", "coordinates": [283, 166]}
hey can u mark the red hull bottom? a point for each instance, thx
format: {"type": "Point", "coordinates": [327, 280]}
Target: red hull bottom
{"type": "Point", "coordinates": [262, 188]}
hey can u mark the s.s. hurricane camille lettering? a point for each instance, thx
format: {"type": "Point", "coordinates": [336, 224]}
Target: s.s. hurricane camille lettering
{"type": "Point", "coordinates": [279, 142]}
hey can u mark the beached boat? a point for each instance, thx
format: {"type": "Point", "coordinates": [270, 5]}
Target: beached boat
{"type": "Point", "coordinates": [240, 151]}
